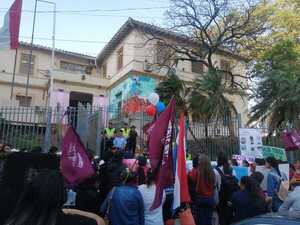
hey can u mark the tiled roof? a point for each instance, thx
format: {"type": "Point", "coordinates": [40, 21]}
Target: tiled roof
{"type": "Point", "coordinates": [57, 51]}
{"type": "Point", "coordinates": [131, 24]}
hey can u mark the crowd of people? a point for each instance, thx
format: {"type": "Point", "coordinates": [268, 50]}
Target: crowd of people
{"type": "Point", "coordinates": [122, 195]}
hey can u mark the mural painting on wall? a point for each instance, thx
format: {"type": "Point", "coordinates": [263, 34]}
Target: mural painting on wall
{"type": "Point", "coordinates": [132, 87]}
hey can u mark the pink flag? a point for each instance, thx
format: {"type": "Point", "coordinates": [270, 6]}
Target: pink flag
{"type": "Point", "coordinates": [291, 140]}
{"type": "Point", "coordinates": [75, 164]}
{"type": "Point", "coordinates": [181, 191]}
{"type": "Point", "coordinates": [9, 33]}
{"type": "Point", "coordinates": [160, 151]}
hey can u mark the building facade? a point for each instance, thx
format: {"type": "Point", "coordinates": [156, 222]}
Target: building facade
{"type": "Point", "coordinates": [130, 63]}
{"type": "Point", "coordinates": [76, 78]}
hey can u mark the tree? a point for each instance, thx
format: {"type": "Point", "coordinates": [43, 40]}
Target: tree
{"type": "Point", "coordinates": [277, 90]}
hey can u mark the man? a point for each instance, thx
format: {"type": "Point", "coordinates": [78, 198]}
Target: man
{"type": "Point", "coordinates": [109, 134]}
{"type": "Point", "coordinates": [119, 141]}
{"type": "Point", "coordinates": [131, 141]}
{"type": "Point", "coordinates": [125, 130]}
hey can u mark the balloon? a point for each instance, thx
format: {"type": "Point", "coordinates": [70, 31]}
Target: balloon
{"type": "Point", "coordinates": [150, 110]}
{"type": "Point", "coordinates": [153, 98]}
{"type": "Point", "coordinates": [160, 107]}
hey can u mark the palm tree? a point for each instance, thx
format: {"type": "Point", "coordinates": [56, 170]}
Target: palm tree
{"type": "Point", "coordinates": [209, 99]}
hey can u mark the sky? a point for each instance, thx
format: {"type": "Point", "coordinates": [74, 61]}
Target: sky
{"type": "Point", "coordinates": [84, 31]}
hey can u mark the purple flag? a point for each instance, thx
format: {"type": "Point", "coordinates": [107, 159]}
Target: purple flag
{"type": "Point", "coordinates": [291, 140]}
{"type": "Point", "coordinates": [75, 164]}
{"type": "Point", "coordinates": [160, 151]}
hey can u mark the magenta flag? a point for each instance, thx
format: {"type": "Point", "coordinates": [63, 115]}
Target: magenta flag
{"type": "Point", "coordinates": [291, 140]}
{"type": "Point", "coordinates": [160, 151]}
{"type": "Point", "coordinates": [75, 164]}
{"type": "Point", "coordinates": [9, 33]}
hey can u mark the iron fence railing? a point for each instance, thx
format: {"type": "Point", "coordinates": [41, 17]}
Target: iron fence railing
{"type": "Point", "coordinates": [28, 128]}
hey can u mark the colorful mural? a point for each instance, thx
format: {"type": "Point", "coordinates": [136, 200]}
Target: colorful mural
{"type": "Point", "coordinates": [139, 85]}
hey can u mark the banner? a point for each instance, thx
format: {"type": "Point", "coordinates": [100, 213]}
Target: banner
{"type": "Point", "coordinates": [277, 153]}
{"type": "Point", "coordinates": [160, 151]}
{"type": "Point", "coordinates": [74, 164]}
{"type": "Point", "coordinates": [251, 142]}
{"type": "Point", "coordinates": [291, 140]}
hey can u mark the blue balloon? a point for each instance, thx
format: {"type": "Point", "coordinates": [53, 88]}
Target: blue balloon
{"type": "Point", "coordinates": [160, 107]}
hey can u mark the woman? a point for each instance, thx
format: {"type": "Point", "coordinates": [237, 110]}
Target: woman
{"type": "Point", "coordinates": [274, 179]}
{"type": "Point", "coordinates": [202, 182]}
{"type": "Point", "coordinates": [41, 204]}
{"type": "Point", "coordinates": [248, 202]}
{"type": "Point", "coordinates": [124, 204]}
{"type": "Point", "coordinates": [152, 217]}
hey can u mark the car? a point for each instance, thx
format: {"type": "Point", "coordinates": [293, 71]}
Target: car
{"type": "Point", "coordinates": [270, 219]}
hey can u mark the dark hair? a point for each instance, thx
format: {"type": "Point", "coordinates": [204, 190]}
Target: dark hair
{"type": "Point", "coordinates": [251, 186]}
{"type": "Point", "coordinates": [258, 176]}
{"type": "Point", "coordinates": [53, 150]}
{"type": "Point", "coordinates": [274, 164]}
{"type": "Point", "coordinates": [195, 162]}
{"type": "Point", "coordinates": [150, 177]}
{"type": "Point", "coordinates": [260, 162]}
{"type": "Point", "coordinates": [42, 200]}
{"type": "Point", "coordinates": [246, 163]}
{"type": "Point", "coordinates": [234, 162]}
{"type": "Point", "coordinates": [222, 159]}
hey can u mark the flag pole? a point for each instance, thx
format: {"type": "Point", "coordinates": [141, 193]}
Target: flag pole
{"type": "Point", "coordinates": [31, 49]}
{"type": "Point", "coordinates": [14, 74]}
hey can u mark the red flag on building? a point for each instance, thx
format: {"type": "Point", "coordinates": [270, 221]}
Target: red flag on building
{"type": "Point", "coordinates": [9, 33]}
{"type": "Point", "coordinates": [160, 151]}
{"type": "Point", "coordinates": [181, 191]}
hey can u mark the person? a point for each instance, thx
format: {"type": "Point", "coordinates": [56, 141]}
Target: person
{"type": "Point", "coordinates": [229, 184]}
{"type": "Point", "coordinates": [114, 169]}
{"type": "Point", "coordinates": [109, 134]}
{"type": "Point", "coordinates": [234, 162]}
{"type": "Point", "coordinates": [53, 150]}
{"type": "Point", "coordinates": [152, 217]}
{"type": "Point", "coordinates": [131, 141]}
{"type": "Point", "coordinates": [202, 180]}
{"type": "Point", "coordinates": [258, 177]}
{"type": "Point", "coordinates": [42, 201]}
{"type": "Point", "coordinates": [119, 141]}
{"type": "Point", "coordinates": [142, 170]}
{"type": "Point", "coordinates": [124, 204]}
{"type": "Point", "coordinates": [291, 205]}
{"type": "Point", "coordinates": [245, 163]}
{"type": "Point", "coordinates": [248, 201]}
{"type": "Point", "coordinates": [295, 179]}
{"type": "Point", "coordinates": [5, 149]}
{"type": "Point", "coordinates": [125, 130]}
{"type": "Point", "coordinates": [274, 180]}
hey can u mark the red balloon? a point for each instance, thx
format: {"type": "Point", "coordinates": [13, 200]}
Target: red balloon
{"type": "Point", "coordinates": [150, 110]}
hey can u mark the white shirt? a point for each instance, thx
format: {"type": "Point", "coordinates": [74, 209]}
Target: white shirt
{"type": "Point", "coordinates": [154, 217]}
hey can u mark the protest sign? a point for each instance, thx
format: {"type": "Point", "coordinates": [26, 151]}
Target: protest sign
{"type": "Point", "coordinates": [241, 172]}
{"type": "Point", "coordinates": [251, 142]}
{"type": "Point", "coordinates": [277, 153]}
{"type": "Point", "coordinates": [241, 158]}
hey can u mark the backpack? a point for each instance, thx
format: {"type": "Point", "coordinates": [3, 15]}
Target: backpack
{"type": "Point", "coordinates": [229, 185]}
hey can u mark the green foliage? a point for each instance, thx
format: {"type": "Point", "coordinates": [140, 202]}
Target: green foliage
{"type": "Point", "coordinates": [209, 97]}
{"type": "Point", "coordinates": [277, 91]}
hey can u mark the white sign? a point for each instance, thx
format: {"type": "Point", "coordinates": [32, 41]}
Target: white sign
{"type": "Point", "coordinates": [251, 142]}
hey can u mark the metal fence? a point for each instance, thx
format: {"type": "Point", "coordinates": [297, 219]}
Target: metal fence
{"type": "Point", "coordinates": [29, 128]}
{"type": "Point", "coordinates": [32, 128]}
{"type": "Point", "coordinates": [213, 136]}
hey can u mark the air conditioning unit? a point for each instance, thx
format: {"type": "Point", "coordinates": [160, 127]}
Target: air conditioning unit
{"type": "Point", "coordinates": [147, 67]}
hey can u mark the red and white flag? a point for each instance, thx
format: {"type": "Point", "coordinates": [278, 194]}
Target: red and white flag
{"type": "Point", "coordinates": [9, 32]}
{"type": "Point", "coordinates": [181, 191]}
